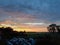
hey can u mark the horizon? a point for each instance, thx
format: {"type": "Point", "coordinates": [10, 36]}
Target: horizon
{"type": "Point", "coordinates": [26, 28]}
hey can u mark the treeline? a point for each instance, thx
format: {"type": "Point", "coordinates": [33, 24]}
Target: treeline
{"type": "Point", "coordinates": [9, 33]}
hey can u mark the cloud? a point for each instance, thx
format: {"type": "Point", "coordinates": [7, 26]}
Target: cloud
{"type": "Point", "coordinates": [30, 11]}
{"type": "Point", "coordinates": [34, 23]}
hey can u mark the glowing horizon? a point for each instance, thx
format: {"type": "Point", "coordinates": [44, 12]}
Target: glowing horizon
{"type": "Point", "coordinates": [26, 28]}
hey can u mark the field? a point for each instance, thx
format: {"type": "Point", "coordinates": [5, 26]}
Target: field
{"type": "Point", "coordinates": [32, 38]}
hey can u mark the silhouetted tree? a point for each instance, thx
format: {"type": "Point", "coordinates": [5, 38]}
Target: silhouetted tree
{"type": "Point", "coordinates": [58, 28]}
{"type": "Point", "coordinates": [8, 32]}
{"type": "Point", "coordinates": [52, 28]}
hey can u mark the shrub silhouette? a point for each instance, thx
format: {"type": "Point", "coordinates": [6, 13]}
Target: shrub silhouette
{"type": "Point", "coordinates": [9, 33]}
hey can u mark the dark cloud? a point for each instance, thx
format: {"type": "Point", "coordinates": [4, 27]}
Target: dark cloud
{"type": "Point", "coordinates": [41, 9]}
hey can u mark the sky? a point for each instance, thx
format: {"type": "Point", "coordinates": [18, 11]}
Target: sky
{"type": "Point", "coordinates": [29, 15]}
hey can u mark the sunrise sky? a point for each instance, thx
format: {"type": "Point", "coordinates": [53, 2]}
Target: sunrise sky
{"type": "Point", "coordinates": [29, 15]}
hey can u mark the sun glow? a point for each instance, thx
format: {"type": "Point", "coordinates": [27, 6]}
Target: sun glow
{"type": "Point", "coordinates": [26, 28]}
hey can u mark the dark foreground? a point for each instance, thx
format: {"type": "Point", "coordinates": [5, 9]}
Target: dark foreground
{"type": "Point", "coordinates": [10, 37]}
{"type": "Point", "coordinates": [31, 39]}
